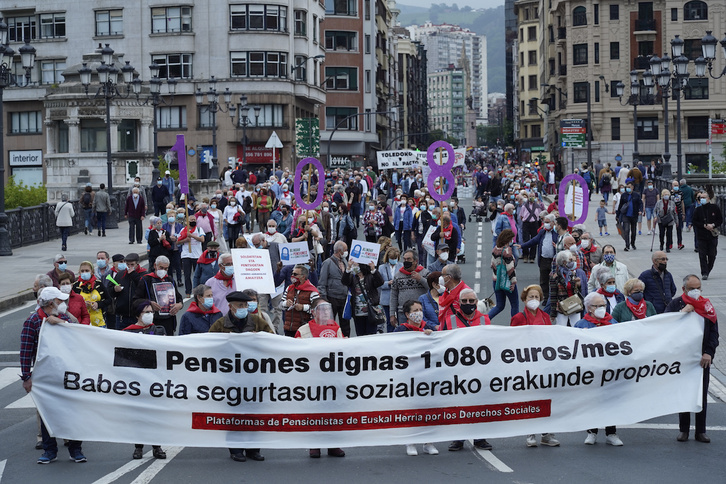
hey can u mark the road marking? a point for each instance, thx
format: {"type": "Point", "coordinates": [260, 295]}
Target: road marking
{"type": "Point", "coordinates": [151, 472]}
{"type": "Point", "coordinates": [477, 288]}
{"type": "Point", "coordinates": [491, 459]}
{"type": "Point", "coordinates": [19, 308]}
{"type": "Point", "coordinates": [9, 376]}
{"type": "Point", "coordinates": [2, 468]}
{"type": "Point", "coordinates": [477, 275]}
{"type": "Point", "coordinates": [24, 402]}
{"type": "Point", "coordinates": [9, 352]}
{"type": "Point", "coordinates": [478, 264]}
{"type": "Point", "coordinates": [132, 465]}
{"type": "Point", "coordinates": [717, 388]}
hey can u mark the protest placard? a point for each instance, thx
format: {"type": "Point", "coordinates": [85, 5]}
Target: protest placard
{"type": "Point", "coordinates": [364, 252]}
{"type": "Point", "coordinates": [253, 270]}
{"type": "Point", "coordinates": [294, 253]}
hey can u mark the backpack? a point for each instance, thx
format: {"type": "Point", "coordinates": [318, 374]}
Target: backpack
{"type": "Point", "coordinates": [86, 200]}
{"type": "Point", "coordinates": [606, 178]}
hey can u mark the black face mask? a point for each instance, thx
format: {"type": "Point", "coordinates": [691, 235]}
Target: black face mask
{"type": "Point", "coordinates": [211, 254]}
{"type": "Point", "coordinates": [662, 266]}
{"type": "Point", "coordinates": [637, 296]}
{"type": "Point", "coordinates": [408, 264]}
{"type": "Point", "coordinates": [468, 309]}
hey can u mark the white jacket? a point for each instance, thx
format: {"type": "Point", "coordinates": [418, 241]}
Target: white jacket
{"type": "Point", "coordinates": [64, 214]}
{"type": "Point", "coordinates": [621, 277]}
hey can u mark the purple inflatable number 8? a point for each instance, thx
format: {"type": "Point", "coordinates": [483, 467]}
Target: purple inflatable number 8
{"type": "Point", "coordinates": [298, 179]}
{"type": "Point", "coordinates": [438, 171]}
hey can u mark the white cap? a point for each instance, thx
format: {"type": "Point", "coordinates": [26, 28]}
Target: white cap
{"type": "Point", "coordinates": [48, 293]}
{"type": "Point", "coordinates": [168, 172]}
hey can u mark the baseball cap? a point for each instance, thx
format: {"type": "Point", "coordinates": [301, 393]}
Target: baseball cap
{"type": "Point", "coordinates": [52, 293]}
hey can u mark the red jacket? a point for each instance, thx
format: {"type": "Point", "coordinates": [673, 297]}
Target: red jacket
{"type": "Point", "coordinates": [449, 302]}
{"type": "Point", "coordinates": [137, 211]}
{"type": "Point", "coordinates": [77, 307]}
{"type": "Point", "coordinates": [454, 322]}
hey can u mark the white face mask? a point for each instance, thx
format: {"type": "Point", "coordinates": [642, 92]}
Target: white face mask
{"type": "Point", "coordinates": [440, 289]}
{"type": "Point", "coordinates": [573, 248]}
{"type": "Point", "coordinates": [147, 318]}
{"type": "Point", "coordinates": [62, 308]}
{"type": "Point", "coordinates": [441, 282]}
{"type": "Point", "coordinates": [585, 243]}
{"type": "Point", "coordinates": [444, 256]}
{"type": "Point", "coordinates": [271, 230]}
{"type": "Point", "coordinates": [547, 226]}
{"type": "Point", "coordinates": [65, 288]}
{"type": "Point", "coordinates": [416, 317]}
{"type": "Point", "coordinates": [600, 313]}
{"type": "Point", "coordinates": [345, 254]}
{"type": "Point", "coordinates": [533, 304]}
{"type": "Point", "coordinates": [161, 273]}
{"type": "Point", "coordinates": [694, 293]}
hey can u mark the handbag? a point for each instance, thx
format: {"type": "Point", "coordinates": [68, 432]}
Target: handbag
{"type": "Point", "coordinates": [503, 283]}
{"type": "Point", "coordinates": [376, 315]}
{"type": "Point", "coordinates": [571, 305]}
{"type": "Point", "coordinates": [667, 218]}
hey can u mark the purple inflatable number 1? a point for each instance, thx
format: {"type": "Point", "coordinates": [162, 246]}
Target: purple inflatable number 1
{"type": "Point", "coordinates": [441, 171]}
{"type": "Point", "coordinates": [585, 197]}
{"type": "Point", "coordinates": [298, 179]}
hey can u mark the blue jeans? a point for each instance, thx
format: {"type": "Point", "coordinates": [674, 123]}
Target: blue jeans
{"type": "Point", "coordinates": [689, 214]}
{"type": "Point", "coordinates": [649, 212]}
{"type": "Point", "coordinates": [501, 297]}
{"type": "Point", "coordinates": [65, 231]}
{"type": "Point", "coordinates": [88, 214]}
{"type": "Point", "coordinates": [50, 445]}
{"type": "Point", "coordinates": [101, 216]}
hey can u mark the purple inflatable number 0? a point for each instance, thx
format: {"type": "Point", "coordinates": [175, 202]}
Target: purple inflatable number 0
{"type": "Point", "coordinates": [585, 198]}
{"type": "Point", "coordinates": [438, 171]}
{"type": "Point", "coordinates": [298, 179]}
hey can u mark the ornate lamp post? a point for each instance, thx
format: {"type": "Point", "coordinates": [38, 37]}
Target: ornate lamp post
{"type": "Point", "coordinates": [7, 79]}
{"type": "Point", "coordinates": [156, 99]}
{"type": "Point", "coordinates": [213, 107]}
{"type": "Point", "coordinates": [244, 120]}
{"type": "Point", "coordinates": [708, 48]}
{"type": "Point", "coordinates": [637, 97]}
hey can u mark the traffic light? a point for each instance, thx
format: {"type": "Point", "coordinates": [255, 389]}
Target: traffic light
{"type": "Point", "coordinates": [208, 157]}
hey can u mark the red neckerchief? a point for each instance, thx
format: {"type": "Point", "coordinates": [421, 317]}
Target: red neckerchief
{"type": "Point", "coordinates": [639, 309]}
{"type": "Point", "coordinates": [702, 306]}
{"type": "Point", "coordinates": [589, 250]}
{"type": "Point", "coordinates": [536, 319]}
{"type": "Point", "coordinates": [306, 285]}
{"type": "Point", "coordinates": [447, 232]}
{"type": "Point", "coordinates": [605, 321]}
{"type": "Point", "coordinates": [417, 269]}
{"type": "Point", "coordinates": [411, 327]}
{"type": "Point", "coordinates": [224, 278]}
{"type": "Point", "coordinates": [90, 283]}
{"type": "Point", "coordinates": [194, 308]}
{"type": "Point", "coordinates": [605, 293]}
{"type": "Point", "coordinates": [205, 259]}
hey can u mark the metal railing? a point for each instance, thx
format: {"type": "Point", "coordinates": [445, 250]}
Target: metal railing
{"type": "Point", "coordinates": [698, 183]}
{"type": "Point", "coordinates": [645, 24]}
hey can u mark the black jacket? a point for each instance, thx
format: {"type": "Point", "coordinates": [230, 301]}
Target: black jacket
{"type": "Point", "coordinates": [706, 214]}
{"type": "Point", "coordinates": [637, 204]}
{"type": "Point", "coordinates": [371, 283]}
{"type": "Point", "coordinates": [124, 299]}
{"type": "Point", "coordinates": [710, 330]}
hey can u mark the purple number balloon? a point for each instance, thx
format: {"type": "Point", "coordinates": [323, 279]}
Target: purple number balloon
{"type": "Point", "coordinates": [438, 171]}
{"type": "Point", "coordinates": [298, 179]}
{"type": "Point", "coordinates": [585, 197]}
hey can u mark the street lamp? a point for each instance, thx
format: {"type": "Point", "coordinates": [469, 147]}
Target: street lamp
{"type": "Point", "coordinates": [244, 120]}
{"type": "Point", "coordinates": [637, 97]}
{"type": "Point", "coordinates": [7, 79]}
{"type": "Point", "coordinates": [156, 99]}
{"type": "Point", "coordinates": [708, 48]}
{"type": "Point", "coordinates": [107, 74]}
{"type": "Point", "coordinates": [213, 107]}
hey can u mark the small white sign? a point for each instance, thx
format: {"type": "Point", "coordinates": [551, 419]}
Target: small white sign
{"type": "Point", "coordinates": [364, 252]}
{"type": "Point", "coordinates": [294, 253]}
{"type": "Point", "coordinates": [274, 141]}
{"type": "Point", "coordinates": [253, 270]}
{"type": "Point", "coordinates": [26, 158]}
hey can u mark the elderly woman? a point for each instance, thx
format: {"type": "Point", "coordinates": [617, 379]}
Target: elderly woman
{"type": "Point", "coordinates": [634, 307]}
{"type": "Point", "coordinates": [608, 289]}
{"type": "Point", "coordinates": [201, 312]}
{"type": "Point", "coordinates": [77, 308]}
{"type": "Point", "coordinates": [617, 269]}
{"type": "Point", "coordinates": [531, 315]}
{"type": "Point", "coordinates": [565, 281]}
{"type": "Point", "coordinates": [597, 316]}
{"type": "Point", "coordinates": [363, 282]}
{"type": "Point", "coordinates": [665, 217]}
{"type": "Point", "coordinates": [503, 274]}
{"type": "Point", "coordinates": [505, 221]}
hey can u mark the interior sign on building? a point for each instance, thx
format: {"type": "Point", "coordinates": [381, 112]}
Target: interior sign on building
{"type": "Point", "coordinates": [26, 158]}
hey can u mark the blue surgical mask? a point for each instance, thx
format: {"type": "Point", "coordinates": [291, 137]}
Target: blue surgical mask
{"type": "Point", "coordinates": [252, 306]}
{"type": "Point", "coordinates": [229, 270]}
{"type": "Point", "coordinates": [122, 266]}
{"type": "Point", "coordinates": [704, 201]}
{"type": "Point", "coordinates": [628, 189]}
{"type": "Point", "coordinates": [622, 190]}
{"type": "Point", "coordinates": [393, 262]}
{"type": "Point", "coordinates": [611, 288]}
{"type": "Point", "coordinates": [101, 263]}
{"type": "Point", "coordinates": [241, 313]}
{"type": "Point", "coordinates": [431, 207]}
{"type": "Point", "coordinates": [572, 265]}
{"type": "Point", "coordinates": [62, 266]}
{"type": "Point", "coordinates": [208, 302]}
{"type": "Point", "coordinates": [86, 276]}
{"type": "Point", "coordinates": [180, 216]}
{"type": "Point", "coordinates": [676, 188]}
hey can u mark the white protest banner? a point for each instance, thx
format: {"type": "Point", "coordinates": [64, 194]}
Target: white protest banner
{"type": "Point", "coordinates": [396, 159]}
{"type": "Point", "coordinates": [253, 270]}
{"type": "Point", "coordinates": [364, 252]}
{"type": "Point", "coordinates": [459, 154]}
{"type": "Point", "coordinates": [294, 253]}
{"type": "Point", "coordinates": [264, 390]}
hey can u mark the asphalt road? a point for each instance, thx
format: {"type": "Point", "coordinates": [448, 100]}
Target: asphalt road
{"type": "Point", "coordinates": [650, 454]}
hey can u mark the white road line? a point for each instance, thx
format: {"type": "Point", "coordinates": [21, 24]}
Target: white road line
{"type": "Point", "coordinates": [158, 464]}
{"type": "Point", "coordinates": [492, 459]}
{"type": "Point", "coordinates": [24, 402]}
{"type": "Point", "coordinates": [478, 264]}
{"type": "Point", "coordinates": [9, 352]}
{"type": "Point", "coordinates": [717, 388]}
{"type": "Point", "coordinates": [477, 275]}
{"type": "Point", "coordinates": [664, 427]}
{"type": "Point", "coordinates": [124, 469]}
{"type": "Point", "coordinates": [11, 311]}
{"type": "Point", "coordinates": [9, 376]}
{"type": "Point", "coordinates": [2, 468]}
{"type": "Point", "coordinates": [477, 288]}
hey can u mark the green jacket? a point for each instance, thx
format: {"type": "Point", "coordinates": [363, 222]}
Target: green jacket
{"type": "Point", "coordinates": [688, 198]}
{"type": "Point", "coordinates": [622, 313]}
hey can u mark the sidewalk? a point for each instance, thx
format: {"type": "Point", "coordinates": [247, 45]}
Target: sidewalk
{"type": "Point", "coordinates": [680, 264]}
{"type": "Point", "coordinates": [19, 270]}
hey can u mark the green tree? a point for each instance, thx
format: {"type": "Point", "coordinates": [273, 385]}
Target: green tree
{"type": "Point", "coordinates": [18, 194]}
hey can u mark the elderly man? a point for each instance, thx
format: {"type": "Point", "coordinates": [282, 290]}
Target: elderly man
{"type": "Point", "coordinates": [467, 317]}
{"type": "Point", "coordinates": [41, 281]}
{"type": "Point", "coordinates": [630, 206]}
{"type": "Point", "coordinates": [449, 304]}
{"type": "Point", "coordinates": [442, 260]}
{"type": "Point", "coordinates": [569, 243]}
{"type": "Point", "coordinates": [272, 235]}
{"type": "Point", "coordinates": [223, 283]}
{"type": "Point", "coordinates": [545, 241]}
{"type": "Point", "coordinates": [135, 212]}
{"type": "Point", "coordinates": [60, 264]}
{"type": "Point", "coordinates": [165, 298]}
{"type": "Point", "coordinates": [298, 300]}
{"type": "Point", "coordinates": [409, 283]}
{"type": "Point", "coordinates": [330, 286]}
{"type": "Point", "coordinates": [707, 220]}
{"type": "Point", "coordinates": [691, 300]}
{"type": "Point", "coordinates": [617, 269]}
{"type": "Point", "coordinates": [103, 266]}
{"type": "Point", "coordinates": [659, 286]}
{"type": "Point", "coordinates": [266, 301]}
{"type": "Point", "coordinates": [52, 309]}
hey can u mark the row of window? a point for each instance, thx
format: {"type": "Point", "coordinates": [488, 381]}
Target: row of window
{"type": "Point", "coordinates": [697, 88]}
{"type": "Point", "coordinates": [696, 128]}
{"type": "Point", "coordinates": [693, 10]}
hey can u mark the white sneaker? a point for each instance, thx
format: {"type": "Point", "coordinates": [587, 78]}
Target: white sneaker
{"type": "Point", "coordinates": [613, 439]}
{"type": "Point", "coordinates": [531, 440]}
{"type": "Point", "coordinates": [550, 440]}
{"type": "Point", "coordinates": [591, 439]}
{"type": "Point", "coordinates": [411, 449]}
{"type": "Point", "coordinates": [430, 449]}
{"type": "Point", "coordinates": [650, 232]}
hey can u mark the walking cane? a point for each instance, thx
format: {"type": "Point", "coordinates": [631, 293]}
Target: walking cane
{"type": "Point", "coordinates": [653, 239]}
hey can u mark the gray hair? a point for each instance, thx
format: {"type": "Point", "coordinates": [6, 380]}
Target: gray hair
{"type": "Point", "coordinates": [198, 291]}
{"type": "Point", "coordinates": [226, 255]}
{"type": "Point", "coordinates": [162, 259]}
{"type": "Point", "coordinates": [683, 181]}
{"type": "Point", "coordinates": [603, 275]}
{"type": "Point", "coordinates": [257, 237]}
{"type": "Point", "coordinates": [508, 206]}
{"type": "Point", "coordinates": [454, 271]}
{"type": "Point", "coordinates": [563, 257]}
{"type": "Point", "coordinates": [43, 280]}
{"type": "Point", "coordinates": [580, 227]}
{"type": "Point", "coordinates": [590, 299]}
{"type": "Point", "coordinates": [154, 219]}
{"type": "Point", "coordinates": [685, 279]}
{"type": "Point", "coordinates": [338, 246]}
{"type": "Point", "coordinates": [468, 290]}
{"type": "Point", "coordinates": [550, 217]}
{"type": "Point", "coordinates": [303, 270]}
{"type": "Point", "coordinates": [251, 293]}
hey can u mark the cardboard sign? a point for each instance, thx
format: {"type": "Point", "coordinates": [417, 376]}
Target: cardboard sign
{"type": "Point", "coordinates": [364, 252]}
{"type": "Point", "coordinates": [294, 253]}
{"type": "Point", "coordinates": [253, 270]}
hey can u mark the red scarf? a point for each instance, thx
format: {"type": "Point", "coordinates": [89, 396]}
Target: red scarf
{"type": "Point", "coordinates": [535, 319]}
{"type": "Point", "coordinates": [196, 309]}
{"type": "Point", "coordinates": [447, 231]}
{"type": "Point", "coordinates": [223, 277]}
{"type": "Point", "coordinates": [417, 269]}
{"type": "Point", "coordinates": [205, 259]}
{"type": "Point", "coordinates": [589, 250]}
{"type": "Point", "coordinates": [605, 321]}
{"type": "Point", "coordinates": [605, 293]}
{"type": "Point", "coordinates": [639, 309]}
{"type": "Point", "coordinates": [702, 306]}
{"type": "Point", "coordinates": [90, 283]}
{"type": "Point", "coordinates": [412, 327]}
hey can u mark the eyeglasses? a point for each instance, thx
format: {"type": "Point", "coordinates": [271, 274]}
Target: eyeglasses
{"type": "Point", "coordinates": [469, 301]}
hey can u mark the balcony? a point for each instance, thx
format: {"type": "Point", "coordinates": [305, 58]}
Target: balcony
{"type": "Point", "coordinates": [641, 63]}
{"type": "Point", "coordinates": [645, 25]}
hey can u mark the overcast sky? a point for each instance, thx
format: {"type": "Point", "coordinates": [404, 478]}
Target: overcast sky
{"type": "Point", "coordinates": [461, 3]}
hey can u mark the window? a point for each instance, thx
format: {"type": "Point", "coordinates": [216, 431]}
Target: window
{"type": "Point", "coordinates": [335, 116]}
{"type": "Point", "coordinates": [178, 66]}
{"type": "Point", "coordinates": [270, 116]}
{"type": "Point", "coordinates": [260, 64]}
{"type": "Point", "coordinates": [697, 88]}
{"type": "Point", "coordinates": [51, 71]}
{"type": "Point", "coordinates": [521, 35]}
{"type": "Point", "coordinates": [579, 54]}
{"type": "Point", "coordinates": [614, 11]}
{"type": "Point", "coordinates": [551, 64]}
{"type": "Point", "coordinates": [647, 128]}
{"type": "Point", "coordinates": [531, 33]}
{"type": "Point", "coordinates": [674, 15]}
{"type": "Point", "coordinates": [52, 25]}
{"type": "Point", "coordinates": [614, 89]}
{"type": "Point", "coordinates": [615, 129]}
{"type": "Point", "coordinates": [109, 22]}
{"type": "Point", "coordinates": [93, 135]}
{"type": "Point", "coordinates": [596, 52]}
{"type": "Point", "coordinates": [579, 16]}
{"type": "Point", "coordinates": [301, 22]}
{"type": "Point", "coordinates": [596, 14]}
{"type": "Point", "coordinates": [614, 50]}
{"type": "Point", "coordinates": [171, 19]}
{"type": "Point", "coordinates": [171, 117]}
{"type": "Point", "coordinates": [533, 85]}
{"type": "Point", "coordinates": [532, 57]}
{"type": "Point", "coordinates": [341, 78]}
{"type": "Point", "coordinates": [367, 80]}
{"type": "Point", "coordinates": [697, 127]}
{"type": "Point", "coordinates": [580, 92]}
{"type": "Point", "coordinates": [26, 122]}
{"type": "Point", "coordinates": [315, 29]}
{"type": "Point", "coordinates": [337, 40]}
{"type": "Point", "coordinates": [700, 160]}
{"type": "Point", "coordinates": [521, 58]}
{"type": "Point", "coordinates": [692, 48]}
{"type": "Point", "coordinates": [206, 117]}
{"type": "Point", "coordinates": [127, 139]}
{"type": "Point", "coordinates": [597, 91]}
{"type": "Point", "coordinates": [300, 68]}
{"type": "Point", "coordinates": [22, 28]}
{"type": "Point", "coordinates": [344, 7]}
{"type": "Point", "coordinates": [532, 107]}
{"type": "Point", "coordinates": [695, 10]}
{"type": "Point", "coordinates": [645, 48]}
{"type": "Point", "coordinates": [258, 17]}
{"type": "Point", "coordinates": [368, 43]}
{"type": "Point", "coordinates": [62, 130]}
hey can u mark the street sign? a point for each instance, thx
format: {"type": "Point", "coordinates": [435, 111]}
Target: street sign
{"type": "Point", "coordinates": [307, 137]}
{"type": "Point", "coordinates": [572, 133]}
{"type": "Point", "coordinates": [274, 141]}
{"type": "Point", "coordinates": [718, 126]}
